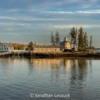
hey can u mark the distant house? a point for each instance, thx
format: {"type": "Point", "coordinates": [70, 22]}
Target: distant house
{"type": "Point", "coordinates": [46, 49]}
{"type": "Point", "coordinates": [97, 50]}
{"type": "Point", "coordinates": [5, 47]}
{"type": "Point", "coordinates": [91, 50]}
{"type": "Point", "coordinates": [65, 45]}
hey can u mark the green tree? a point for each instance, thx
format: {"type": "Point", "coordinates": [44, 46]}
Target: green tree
{"type": "Point", "coordinates": [85, 41]}
{"type": "Point", "coordinates": [52, 39]}
{"type": "Point", "coordinates": [73, 34]}
{"type": "Point", "coordinates": [30, 46]}
{"type": "Point", "coordinates": [81, 39]}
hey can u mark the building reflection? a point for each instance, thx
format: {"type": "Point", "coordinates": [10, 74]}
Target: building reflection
{"type": "Point", "coordinates": [41, 63]}
{"type": "Point", "coordinates": [55, 66]}
{"type": "Point", "coordinates": [76, 69]}
{"type": "Point", "coordinates": [6, 63]}
{"type": "Point", "coordinates": [50, 63]}
{"type": "Point", "coordinates": [44, 64]}
{"type": "Point", "coordinates": [47, 64]}
{"type": "Point", "coordinates": [67, 64]}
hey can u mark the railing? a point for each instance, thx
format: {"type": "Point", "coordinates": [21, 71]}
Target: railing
{"type": "Point", "coordinates": [5, 53]}
{"type": "Point", "coordinates": [20, 51]}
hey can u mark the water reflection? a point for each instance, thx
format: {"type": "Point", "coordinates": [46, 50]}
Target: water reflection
{"type": "Point", "coordinates": [78, 76]}
{"type": "Point", "coordinates": [77, 68]}
{"type": "Point", "coordinates": [5, 62]}
{"type": "Point", "coordinates": [6, 65]}
{"type": "Point", "coordinates": [67, 64]}
{"type": "Point", "coordinates": [44, 63]}
{"type": "Point", "coordinates": [20, 76]}
{"type": "Point", "coordinates": [52, 65]}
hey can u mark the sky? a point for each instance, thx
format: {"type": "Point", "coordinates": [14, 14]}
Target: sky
{"type": "Point", "coordinates": [23, 21]}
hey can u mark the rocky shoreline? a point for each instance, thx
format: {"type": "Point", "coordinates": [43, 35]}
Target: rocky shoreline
{"type": "Point", "coordinates": [53, 55]}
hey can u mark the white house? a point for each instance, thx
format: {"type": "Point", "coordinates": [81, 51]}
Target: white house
{"type": "Point", "coordinates": [97, 50]}
{"type": "Point", "coordinates": [65, 45]}
{"type": "Point", "coordinates": [5, 47]}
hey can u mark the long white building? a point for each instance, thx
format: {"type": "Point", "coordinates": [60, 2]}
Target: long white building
{"type": "Point", "coordinates": [97, 50]}
{"type": "Point", "coordinates": [46, 49]}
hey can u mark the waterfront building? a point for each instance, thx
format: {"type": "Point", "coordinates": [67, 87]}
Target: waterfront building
{"type": "Point", "coordinates": [65, 45]}
{"type": "Point", "coordinates": [91, 50]}
{"type": "Point", "coordinates": [5, 47]}
{"type": "Point", "coordinates": [97, 50]}
{"type": "Point", "coordinates": [46, 63]}
{"type": "Point", "coordinates": [46, 49]}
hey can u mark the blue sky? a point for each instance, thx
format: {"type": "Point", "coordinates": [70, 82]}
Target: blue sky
{"type": "Point", "coordinates": [33, 20]}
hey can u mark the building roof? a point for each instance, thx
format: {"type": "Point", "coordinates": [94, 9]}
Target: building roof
{"type": "Point", "coordinates": [47, 46]}
{"type": "Point", "coordinates": [65, 42]}
{"type": "Point", "coordinates": [6, 44]}
{"type": "Point", "coordinates": [97, 48]}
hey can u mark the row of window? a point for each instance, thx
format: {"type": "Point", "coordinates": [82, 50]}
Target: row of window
{"type": "Point", "coordinates": [3, 48]}
{"type": "Point", "coordinates": [46, 50]}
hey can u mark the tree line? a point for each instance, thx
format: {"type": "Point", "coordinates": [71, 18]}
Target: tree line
{"type": "Point", "coordinates": [55, 38]}
{"type": "Point", "coordinates": [80, 39]}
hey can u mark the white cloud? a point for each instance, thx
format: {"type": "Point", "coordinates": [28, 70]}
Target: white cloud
{"type": "Point", "coordinates": [59, 12]}
{"type": "Point", "coordinates": [7, 18]}
{"type": "Point", "coordinates": [74, 25]}
{"type": "Point", "coordinates": [75, 12]}
{"type": "Point", "coordinates": [12, 25]}
{"type": "Point", "coordinates": [89, 12]}
{"type": "Point", "coordinates": [25, 18]}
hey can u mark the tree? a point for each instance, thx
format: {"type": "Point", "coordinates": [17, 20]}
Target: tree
{"type": "Point", "coordinates": [57, 38]}
{"type": "Point", "coordinates": [52, 39]}
{"type": "Point", "coordinates": [85, 41]}
{"type": "Point", "coordinates": [91, 42]}
{"type": "Point", "coordinates": [30, 46]}
{"type": "Point", "coordinates": [81, 39]}
{"type": "Point", "coordinates": [18, 47]}
{"type": "Point", "coordinates": [73, 34]}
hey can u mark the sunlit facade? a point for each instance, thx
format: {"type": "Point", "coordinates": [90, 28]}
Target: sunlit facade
{"type": "Point", "coordinates": [46, 49]}
{"type": "Point", "coordinates": [65, 45]}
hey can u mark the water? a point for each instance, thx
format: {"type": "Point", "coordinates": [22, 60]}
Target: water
{"type": "Point", "coordinates": [24, 79]}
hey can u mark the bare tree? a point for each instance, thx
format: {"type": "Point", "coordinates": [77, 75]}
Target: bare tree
{"type": "Point", "coordinates": [57, 38]}
{"type": "Point", "coordinates": [91, 42]}
{"type": "Point", "coordinates": [52, 39]}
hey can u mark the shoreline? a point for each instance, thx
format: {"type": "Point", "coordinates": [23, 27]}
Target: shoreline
{"type": "Point", "coordinates": [53, 55]}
